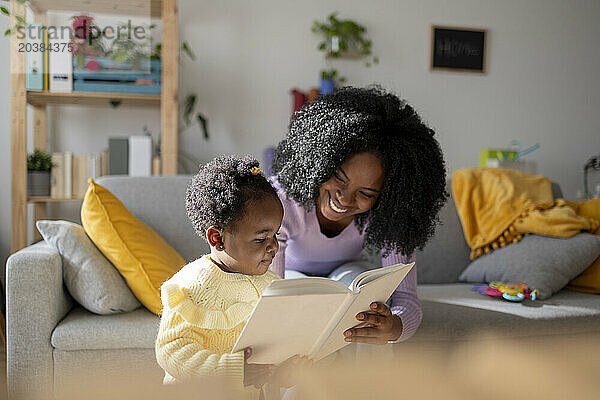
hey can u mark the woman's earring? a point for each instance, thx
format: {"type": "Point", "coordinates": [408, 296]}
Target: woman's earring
{"type": "Point", "coordinates": [220, 247]}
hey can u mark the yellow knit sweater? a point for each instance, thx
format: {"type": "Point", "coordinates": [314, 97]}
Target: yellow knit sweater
{"type": "Point", "coordinates": [204, 311]}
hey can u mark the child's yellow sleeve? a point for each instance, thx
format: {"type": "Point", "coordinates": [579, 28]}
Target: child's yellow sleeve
{"type": "Point", "coordinates": [181, 352]}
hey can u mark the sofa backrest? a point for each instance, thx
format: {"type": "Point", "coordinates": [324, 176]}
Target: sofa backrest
{"type": "Point", "coordinates": [159, 202]}
{"type": "Point", "coordinates": [446, 254]}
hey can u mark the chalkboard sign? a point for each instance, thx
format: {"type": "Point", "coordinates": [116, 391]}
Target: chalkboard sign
{"type": "Point", "coordinates": [458, 49]}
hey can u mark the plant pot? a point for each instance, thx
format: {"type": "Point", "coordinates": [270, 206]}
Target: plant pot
{"type": "Point", "coordinates": [327, 86]}
{"type": "Point", "coordinates": [38, 183]}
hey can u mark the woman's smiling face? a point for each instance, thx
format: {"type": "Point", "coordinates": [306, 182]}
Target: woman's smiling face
{"type": "Point", "coordinates": [352, 189]}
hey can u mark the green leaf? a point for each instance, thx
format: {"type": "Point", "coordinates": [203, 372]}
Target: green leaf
{"type": "Point", "coordinates": [203, 124]}
{"type": "Point", "coordinates": [189, 103]}
{"type": "Point", "coordinates": [80, 59]}
{"type": "Point", "coordinates": [120, 57]}
{"type": "Point", "coordinates": [20, 19]}
{"type": "Point", "coordinates": [4, 10]}
{"type": "Point", "coordinates": [7, 32]}
{"type": "Point", "coordinates": [188, 50]}
{"type": "Point", "coordinates": [376, 60]}
{"type": "Point", "coordinates": [323, 46]}
{"type": "Point", "coordinates": [39, 161]}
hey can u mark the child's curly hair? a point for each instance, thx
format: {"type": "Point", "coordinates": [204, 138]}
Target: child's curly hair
{"type": "Point", "coordinates": [327, 132]}
{"type": "Point", "coordinates": [218, 194]}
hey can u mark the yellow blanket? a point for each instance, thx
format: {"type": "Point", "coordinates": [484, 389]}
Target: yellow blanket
{"type": "Point", "coordinates": [498, 206]}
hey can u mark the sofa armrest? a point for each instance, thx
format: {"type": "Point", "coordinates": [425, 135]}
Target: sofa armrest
{"type": "Point", "coordinates": [36, 300]}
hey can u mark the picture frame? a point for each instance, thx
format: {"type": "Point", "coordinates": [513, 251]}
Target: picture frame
{"type": "Point", "coordinates": [458, 49]}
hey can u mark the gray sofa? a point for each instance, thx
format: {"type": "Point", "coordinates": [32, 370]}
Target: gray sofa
{"type": "Point", "coordinates": [52, 340]}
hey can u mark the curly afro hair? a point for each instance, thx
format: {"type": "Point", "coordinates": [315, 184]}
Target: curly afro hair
{"type": "Point", "coordinates": [218, 194]}
{"type": "Point", "coordinates": [325, 133]}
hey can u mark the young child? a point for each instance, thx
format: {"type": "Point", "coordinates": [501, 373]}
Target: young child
{"type": "Point", "coordinates": [206, 304]}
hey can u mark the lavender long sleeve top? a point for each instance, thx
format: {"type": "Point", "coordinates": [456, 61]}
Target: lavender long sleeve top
{"type": "Point", "coordinates": [302, 247]}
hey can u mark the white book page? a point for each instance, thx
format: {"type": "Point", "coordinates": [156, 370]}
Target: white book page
{"type": "Point", "coordinates": [283, 326]}
{"type": "Point", "coordinates": [304, 286]}
{"type": "Point", "coordinates": [378, 290]}
{"type": "Point", "coordinates": [373, 274]}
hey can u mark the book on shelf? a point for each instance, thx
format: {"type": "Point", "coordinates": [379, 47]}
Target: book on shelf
{"type": "Point", "coordinates": [81, 173]}
{"type": "Point", "coordinates": [140, 155]}
{"type": "Point", "coordinates": [312, 314]}
{"type": "Point", "coordinates": [118, 156]}
{"type": "Point", "coordinates": [156, 165]}
{"type": "Point", "coordinates": [68, 174]}
{"type": "Point", "coordinates": [132, 156]}
{"type": "Point", "coordinates": [57, 182]}
{"type": "Point", "coordinates": [35, 57]}
{"type": "Point", "coordinates": [60, 68]}
{"type": "Point", "coordinates": [46, 61]}
{"type": "Point", "coordinates": [104, 163]}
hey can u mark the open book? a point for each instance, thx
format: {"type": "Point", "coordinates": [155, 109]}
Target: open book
{"type": "Point", "coordinates": [308, 316]}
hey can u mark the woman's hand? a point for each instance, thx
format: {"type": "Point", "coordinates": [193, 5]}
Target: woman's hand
{"type": "Point", "coordinates": [256, 374]}
{"type": "Point", "coordinates": [382, 326]}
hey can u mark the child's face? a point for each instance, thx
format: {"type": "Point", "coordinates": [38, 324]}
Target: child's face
{"type": "Point", "coordinates": [251, 244]}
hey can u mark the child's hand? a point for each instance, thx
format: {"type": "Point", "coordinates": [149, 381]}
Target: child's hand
{"type": "Point", "coordinates": [285, 372]}
{"type": "Point", "coordinates": [256, 374]}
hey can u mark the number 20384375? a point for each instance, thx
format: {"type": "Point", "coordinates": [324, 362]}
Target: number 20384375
{"type": "Point", "coordinates": [42, 47]}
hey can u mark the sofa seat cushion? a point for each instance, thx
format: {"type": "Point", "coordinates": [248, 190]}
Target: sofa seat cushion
{"type": "Point", "coordinates": [81, 329]}
{"type": "Point", "coordinates": [455, 312]}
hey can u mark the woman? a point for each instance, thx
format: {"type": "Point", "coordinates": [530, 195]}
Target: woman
{"type": "Point", "coordinates": [359, 169]}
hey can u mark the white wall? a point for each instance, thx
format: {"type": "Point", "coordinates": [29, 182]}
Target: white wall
{"type": "Point", "coordinates": [541, 85]}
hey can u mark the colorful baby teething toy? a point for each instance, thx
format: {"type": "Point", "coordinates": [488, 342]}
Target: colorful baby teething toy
{"type": "Point", "coordinates": [507, 290]}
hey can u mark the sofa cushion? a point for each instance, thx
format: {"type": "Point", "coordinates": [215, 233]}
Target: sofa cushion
{"type": "Point", "coordinates": [143, 258]}
{"type": "Point", "coordinates": [159, 202]}
{"type": "Point", "coordinates": [85, 374]}
{"type": "Point", "coordinates": [541, 262]}
{"type": "Point", "coordinates": [589, 280]}
{"type": "Point", "coordinates": [91, 279]}
{"type": "Point", "coordinates": [82, 330]}
{"type": "Point", "coordinates": [453, 312]}
{"type": "Point", "coordinates": [446, 254]}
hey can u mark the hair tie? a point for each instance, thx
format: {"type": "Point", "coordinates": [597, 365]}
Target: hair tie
{"type": "Point", "coordinates": [255, 170]}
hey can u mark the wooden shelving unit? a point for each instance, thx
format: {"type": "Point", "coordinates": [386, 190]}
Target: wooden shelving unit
{"type": "Point", "coordinates": [20, 97]}
{"type": "Point", "coordinates": [93, 98]}
{"type": "Point", "coordinates": [44, 200]}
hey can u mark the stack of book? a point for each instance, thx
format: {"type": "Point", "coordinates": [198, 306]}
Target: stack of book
{"type": "Point", "coordinates": [70, 173]}
{"type": "Point", "coordinates": [49, 61]}
{"type": "Point", "coordinates": [132, 156]}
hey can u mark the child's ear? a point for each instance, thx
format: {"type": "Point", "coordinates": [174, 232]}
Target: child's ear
{"type": "Point", "coordinates": [215, 238]}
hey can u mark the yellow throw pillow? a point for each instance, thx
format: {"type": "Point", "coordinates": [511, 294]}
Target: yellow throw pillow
{"type": "Point", "coordinates": [589, 280]}
{"type": "Point", "coordinates": [143, 258]}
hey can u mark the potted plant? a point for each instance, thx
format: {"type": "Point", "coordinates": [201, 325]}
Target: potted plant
{"type": "Point", "coordinates": [39, 165]}
{"type": "Point", "coordinates": [330, 80]}
{"type": "Point", "coordinates": [344, 39]}
{"type": "Point", "coordinates": [82, 46]}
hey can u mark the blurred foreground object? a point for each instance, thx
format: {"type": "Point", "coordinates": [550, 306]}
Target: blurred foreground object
{"type": "Point", "coordinates": [481, 367]}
